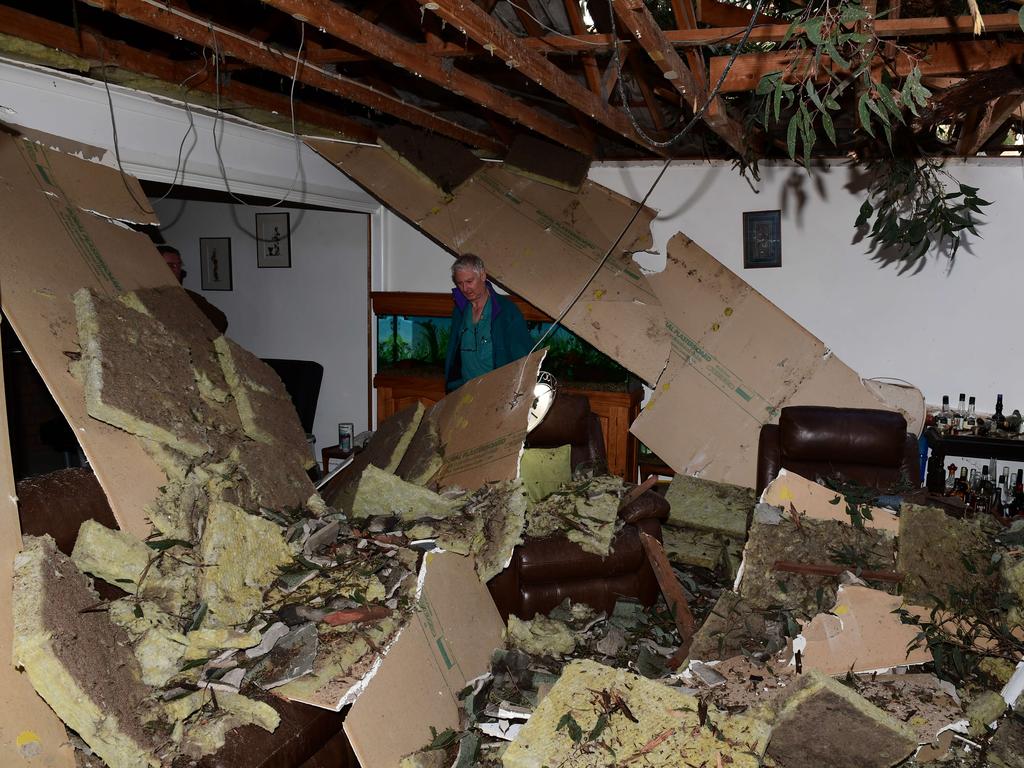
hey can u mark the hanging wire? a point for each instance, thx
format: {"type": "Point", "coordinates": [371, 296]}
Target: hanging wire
{"type": "Point", "coordinates": [707, 102]}
{"type": "Point", "coordinates": [147, 209]}
{"type": "Point", "coordinates": [178, 166]}
{"type": "Point", "coordinates": [552, 29]}
{"type": "Point", "coordinates": [219, 116]}
{"type": "Point", "coordinates": [518, 393]}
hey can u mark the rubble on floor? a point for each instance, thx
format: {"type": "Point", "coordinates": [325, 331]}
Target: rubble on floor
{"type": "Point", "coordinates": [707, 523]}
{"type": "Point", "coordinates": [820, 722]}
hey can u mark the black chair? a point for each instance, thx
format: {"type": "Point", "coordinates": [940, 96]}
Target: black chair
{"type": "Point", "coordinates": [302, 379]}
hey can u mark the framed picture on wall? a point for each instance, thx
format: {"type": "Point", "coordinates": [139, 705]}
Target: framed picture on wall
{"type": "Point", "coordinates": [762, 239]}
{"type": "Point", "coordinates": [215, 263]}
{"type": "Point", "coordinates": [273, 240]}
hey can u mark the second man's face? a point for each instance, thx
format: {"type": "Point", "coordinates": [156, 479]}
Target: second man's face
{"type": "Point", "coordinates": [471, 284]}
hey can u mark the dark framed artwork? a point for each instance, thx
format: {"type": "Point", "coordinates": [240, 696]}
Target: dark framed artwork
{"type": "Point", "coordinates": [762, 239]}
{"type": "Point", "coordinates": [273, 241]}
{"type": "Point", "coordinates": [215, 263]}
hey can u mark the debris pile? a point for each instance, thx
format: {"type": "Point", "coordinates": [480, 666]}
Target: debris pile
{"type": "Point", "coordinates": [814, 658]}
{"type": "Point", "coordinates": [250, 581]}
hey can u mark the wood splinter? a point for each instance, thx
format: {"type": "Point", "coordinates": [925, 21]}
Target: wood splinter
{"type": "Point", "coordinates": [674, 595]}
{"type": "Point", "coordinates": [357, 615]}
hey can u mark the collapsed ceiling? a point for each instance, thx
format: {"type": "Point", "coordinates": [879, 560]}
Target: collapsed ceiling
{"type": "Point", "coordinates": [610, 79]}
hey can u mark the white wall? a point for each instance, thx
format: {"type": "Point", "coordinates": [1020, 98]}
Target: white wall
{"type": "Point", "coordinates": [316, 310]}
{"type": "Point", "coordinates": [944, 331]}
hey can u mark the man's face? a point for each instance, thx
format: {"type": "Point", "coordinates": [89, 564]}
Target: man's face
{"type": "Point", "coordinates": [174, 262]}
{"type": "Point", "coordinates": [471, 284]}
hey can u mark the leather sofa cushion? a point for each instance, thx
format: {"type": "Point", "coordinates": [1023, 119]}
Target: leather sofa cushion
{"type": "Point", "coordinates": [844, 435]}
{"type": "Point", "coordinates": [559, 560]}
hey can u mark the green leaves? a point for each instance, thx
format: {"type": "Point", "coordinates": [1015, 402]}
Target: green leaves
{"type": "Point", "coordinates": [569, 723]}
{"type": "Point", "coordinates": [911, 211]}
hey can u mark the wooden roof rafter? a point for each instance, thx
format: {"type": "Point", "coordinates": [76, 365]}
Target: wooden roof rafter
{"type": "Point", "coordinates": [355, 30]}
{"type": "Point", "coordinates": [495, 38]}
{"type": "Point", "coordinates": [691, 83]}
{"type": "Point", "coordinates": [200, 31]}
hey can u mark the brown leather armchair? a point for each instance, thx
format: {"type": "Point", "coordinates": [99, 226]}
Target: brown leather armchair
{"type": "Point", "coordinates": [860, 445]}
{"type": "Point", "coordinates": [543, 572]}
{"type": "Point", "coordinates": [308, 737]}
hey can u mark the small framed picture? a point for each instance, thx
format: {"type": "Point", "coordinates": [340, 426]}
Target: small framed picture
{"type": "Point", "coordinates": [215, 263]}
{"type": "Point", "coordinates": [273, 240]}
{"type": "Point", "coordinates": [762, 239]}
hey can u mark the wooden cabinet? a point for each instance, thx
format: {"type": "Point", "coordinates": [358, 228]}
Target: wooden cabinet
{"type": "Point", "coordinates": [616, 408]}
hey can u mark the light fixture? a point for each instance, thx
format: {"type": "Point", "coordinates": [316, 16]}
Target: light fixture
{"type": "Point", "coordinates": [544, 392]}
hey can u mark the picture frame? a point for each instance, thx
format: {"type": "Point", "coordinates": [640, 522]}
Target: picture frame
{"type": "Point", "coordinates": [762, 239]}
{"type": "Point", "coordinates": [273, 240]}
{"type": "Point", "coordinates": [215, 263]}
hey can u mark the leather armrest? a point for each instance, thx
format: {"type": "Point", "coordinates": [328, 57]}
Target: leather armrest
{"type": "Point", "coordinates": [769, 456]}
{"type": "Point", "coordinates": [649, 506]}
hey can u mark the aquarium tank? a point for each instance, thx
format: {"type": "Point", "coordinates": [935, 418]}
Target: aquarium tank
{"type": "Point", "coordinates": [407, 341]}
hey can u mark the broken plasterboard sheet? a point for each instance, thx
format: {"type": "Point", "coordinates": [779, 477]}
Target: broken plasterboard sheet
{"type": "Point", "coordinates": [483, 425]}
{"type": "Point", "coordinates": [447, 643]}
{"type": "Point", "coordinates": [52, 249]}
{"type": "Point", "coordinates": [904, 398]}
{"type": "Point", "coordinates": [520, 227]}
{"type": "Point", "coordinates": [30, 732]}
{"type": "Point", "coordinates": [819, 503]}
{"type": "Point", "coordinates": [736, 360]}
{"type": "Point", "coordinates": [862, 633]}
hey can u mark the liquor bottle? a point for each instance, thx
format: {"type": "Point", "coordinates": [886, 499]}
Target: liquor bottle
{"type": "Point", "coordinates": [951, 479]}
{"type": "Point", "coordinates": [1017, 504]}
{"type": "Point", "coordinates": [985, 491]}
{"type": "Point", "coordinates": [960, 486]}
{"type": "Point", "coordinates": [971, 420]}
{"type": "Point", "coordinates": [997, 417]}
{"type": "Point", "coordinates": [942, 420]}
{"type": "Point", "coordinates": [960, 413]}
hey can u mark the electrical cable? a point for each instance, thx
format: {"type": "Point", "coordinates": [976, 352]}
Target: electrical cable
{"type": "Point", "coordinates": [117, 150]}
{"type": "Point", "coordinates": [178, 167]}
{"type": "Point", "coordinates": [552, 29]}
{"type": "Point", "coordinates": [219, 116]}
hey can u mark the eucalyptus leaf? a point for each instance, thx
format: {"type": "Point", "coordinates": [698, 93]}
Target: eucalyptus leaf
{"type": "Point", "coordinates": [864, 114]}
{"type": "Point", "coordinates": [827, 125]}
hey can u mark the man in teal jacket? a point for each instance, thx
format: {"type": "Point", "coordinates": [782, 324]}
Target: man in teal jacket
{"type": "Point", "coordinates": [488, 330]}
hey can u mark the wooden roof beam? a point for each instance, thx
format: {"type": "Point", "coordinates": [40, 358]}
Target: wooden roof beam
{"type": "Point", "coordinates": [494, 37]}
{"type": "Point", "coordinates": [598, 43]}
{"type": "Point", "coordinates": [200, 31]}
{"type": "Point", "coordinates": [982, 124]}
{"type": "Point", "coordinates": [355, 30]}
{"type": "Point", "coordinates": [91, 47]}
{"type": "Point", "coordinates": [590, 69]}
{"type": "Point", "coordinates": [937, 59]}
{"type": "Point", "coordinates": [771, 33]}
{"type": "Point", "coordinates": [693, 86]}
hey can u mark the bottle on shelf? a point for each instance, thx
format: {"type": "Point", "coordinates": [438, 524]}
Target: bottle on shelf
{"type": "Point", "coordinates": [942, 419]}
{"type": "Point", "coordinates": [960, 486]}
{"type": "Point", "coordinates": [998, 420]}
{"type": "Point", "coordinates": [1017, 503]}
{"type": "Point", "coordinates": [960, 413]}
{"type": "Point", "coordinates": [970, 425]}
{"type": "Point", "coordinates": [950, 479]}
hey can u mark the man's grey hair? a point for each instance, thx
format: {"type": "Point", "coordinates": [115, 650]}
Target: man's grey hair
{"type": "Point", "coordinates": [468, 262]}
